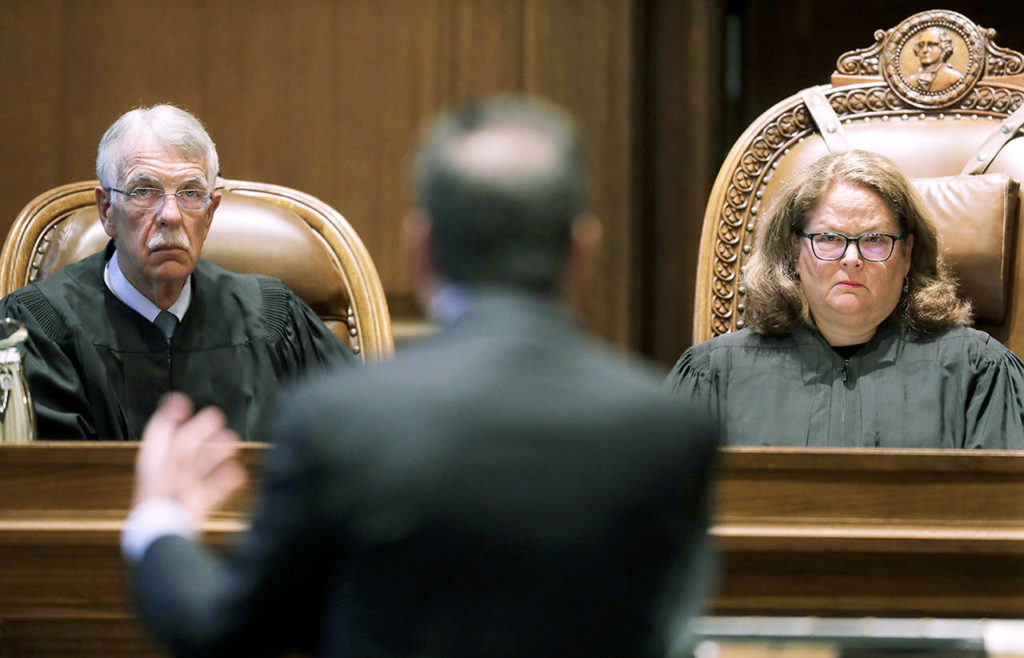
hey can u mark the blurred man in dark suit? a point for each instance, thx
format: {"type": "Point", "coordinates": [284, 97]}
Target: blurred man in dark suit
{"type": "Point", "coordinates": [508, 488]}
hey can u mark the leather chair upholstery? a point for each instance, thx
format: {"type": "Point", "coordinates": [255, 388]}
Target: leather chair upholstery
{"type": "Point", "coordinates": [258, 228]}
{"type": "Point", "coordinates": [960, 144]}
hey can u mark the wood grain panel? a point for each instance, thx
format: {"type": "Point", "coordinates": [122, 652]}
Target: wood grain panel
{"type": "Point", "coordinates": [327, 96]}
{"type": "Point", "coordinates": [268, 91]}
{"type": "Point", "coordinates": [849, 532]}
{"type": "Point", "coordinates": [385, 77]}
{"type": "Point", "coordinates": [877, 583]}
{"type": "Point", "coordinates": [56, 635]}
{"type": "Point", "coordinates": [801, 531]}
{"type": "Point", "coordinates": [62, 580]}
{"type": "Point", "coordinates": [118, 57]}
{"type": "Point", "coordinates": [682, 140]}
{"type": "Point", "coordinates": [32, 58]}
{"type": "Point", "coordinates": [582, 55]}
{"type": "Point", "coordinates": [487, 47]}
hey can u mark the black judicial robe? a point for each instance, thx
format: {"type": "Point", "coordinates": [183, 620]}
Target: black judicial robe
{"type": "Point", "coordinates": [96, 368]}
{"type": "Point", "coordinates": [958, 388]}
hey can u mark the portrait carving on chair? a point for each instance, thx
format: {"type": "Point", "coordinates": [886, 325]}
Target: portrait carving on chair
{"type": "Point", "coordinates": [109, 335]}
{"type": "Point", "coordinates": [933, 49]}
{"type": "Point", "coordinates": [934, 58]}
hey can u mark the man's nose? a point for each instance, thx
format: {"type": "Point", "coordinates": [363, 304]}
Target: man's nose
{"type": "Point", "coordinates": [169, 210]}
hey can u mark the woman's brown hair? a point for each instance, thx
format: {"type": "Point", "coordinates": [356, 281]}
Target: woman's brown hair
{"type": "Point", "coordinates": [775, 300]}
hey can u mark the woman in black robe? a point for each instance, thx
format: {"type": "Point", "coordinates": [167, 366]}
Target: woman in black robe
{"type": "Point", "coordinates": [854, 332]}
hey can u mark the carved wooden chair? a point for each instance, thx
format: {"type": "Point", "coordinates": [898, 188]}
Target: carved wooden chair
{"type": "Point", "coordinates": [953, 128]}
{"type": "Point", "coordinates": [258, 228]}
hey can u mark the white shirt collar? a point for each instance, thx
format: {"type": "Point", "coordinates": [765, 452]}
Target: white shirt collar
{"type": "Point", "coordinates": [448, 302]}
{"type": "Point", "coordinates": [129, 294]}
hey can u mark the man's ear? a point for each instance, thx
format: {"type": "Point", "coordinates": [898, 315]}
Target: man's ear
{"type": "Point", "coordinates": [584, 248]}
{"type": "Point", "coordinates": [419, 253]}
{"type": "Point", "coordinates": [103, 200]}
{"type": "Point", "coordinates": [214, 204]}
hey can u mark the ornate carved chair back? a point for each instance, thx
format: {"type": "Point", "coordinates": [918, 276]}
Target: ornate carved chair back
{"type": "Point", "coordinates": [940, 98]}
{"type": "Point", "coordinates": [258, 228]}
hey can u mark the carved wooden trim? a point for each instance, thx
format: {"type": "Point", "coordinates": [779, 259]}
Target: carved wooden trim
{"type": "Point", "coordinates": [868, 62]}
{"type": "Point", "coordinates": [863, 61]}
{"type": "Point", "coordinates": [43, 246]}
{"type": "Point", "coordinates": [1000, 61]}
{"type": "Point", "coordinates": [735, 222]}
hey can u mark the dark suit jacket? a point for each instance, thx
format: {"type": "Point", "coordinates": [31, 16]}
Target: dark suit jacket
{"type": "Point", "coordinates": [508, 489]}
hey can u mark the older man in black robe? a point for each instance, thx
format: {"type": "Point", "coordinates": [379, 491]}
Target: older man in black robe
{"type": "Point", "coordinates": [111, 334]}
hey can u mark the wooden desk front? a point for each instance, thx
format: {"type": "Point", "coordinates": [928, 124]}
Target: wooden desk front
{"type": "Point", "coordinates": [802, 532]}
{"type": "Point", "coordinates": [850, 532]}
{"type": "Point", "coordinates": [63, 590]}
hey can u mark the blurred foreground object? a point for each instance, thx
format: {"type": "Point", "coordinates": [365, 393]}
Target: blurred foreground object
{"type": "Point", "coordinates": [17, 419]}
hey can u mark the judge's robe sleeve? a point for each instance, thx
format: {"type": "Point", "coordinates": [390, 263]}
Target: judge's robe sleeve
{"type": "Point", "coordinates": [306, 344]}
{"type": "Point", "coordinates": [995, 401]}
{"type": "Point", "coordinates": [693, 379]}
{"type": "Point", "coordinates": [58, 392]}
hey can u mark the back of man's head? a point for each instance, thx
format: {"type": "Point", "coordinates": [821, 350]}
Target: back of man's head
{"type": "Point", "coordinates": [171, 128]}
{"type": "Point", "coordinates": [501, 182]}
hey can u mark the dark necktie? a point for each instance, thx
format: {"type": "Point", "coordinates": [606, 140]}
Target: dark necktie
{"type": "Point", "coordinates": [166, 322]}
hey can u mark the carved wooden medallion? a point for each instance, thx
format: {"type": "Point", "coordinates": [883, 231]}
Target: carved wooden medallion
{"type": "Point", "coordinates": [933, 59]}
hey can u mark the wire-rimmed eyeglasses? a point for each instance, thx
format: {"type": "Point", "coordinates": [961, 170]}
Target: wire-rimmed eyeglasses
{"type": "Point", "coordinates": [875, 247]}
{"type": "Point", "coordinates": [148, 198]}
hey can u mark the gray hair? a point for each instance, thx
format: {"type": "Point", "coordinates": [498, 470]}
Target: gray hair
{"type": "Point", "coordinates": [501, 215]}
{"type": "Point", "coordinates": [173, 128]}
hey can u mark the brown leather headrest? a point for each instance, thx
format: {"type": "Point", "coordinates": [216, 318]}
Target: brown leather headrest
{"type": "Point", "coordinates": [250, 233]}
{"type": "Point", "coordinates": [976, 220]}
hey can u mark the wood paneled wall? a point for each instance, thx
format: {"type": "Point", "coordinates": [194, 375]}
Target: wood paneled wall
{"type": "Point", "coordinates": [683, 118]}
{"type": "Point", "coordinates": [328, 96]}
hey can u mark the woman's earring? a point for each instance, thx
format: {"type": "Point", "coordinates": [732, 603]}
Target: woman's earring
{"type": "Point", "coordinates": [906, 284]}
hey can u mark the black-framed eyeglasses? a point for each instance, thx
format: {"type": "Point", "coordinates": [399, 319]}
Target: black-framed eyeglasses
{"type": "Point", "coordinates": [148, 198]}
{"type": "Point", "coordinates": [875, 247]}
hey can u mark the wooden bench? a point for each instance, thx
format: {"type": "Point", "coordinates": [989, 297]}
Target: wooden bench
{"type": "Point", "coordinates": [835, 533]}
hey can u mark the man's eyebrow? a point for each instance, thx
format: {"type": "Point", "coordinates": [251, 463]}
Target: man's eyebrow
{"type": "Point", "coordinates": [194, 180]}
{"type": "Point", "coordinates": [149, 180]}
{"type": "Point", "coordinates": [142, 179]}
